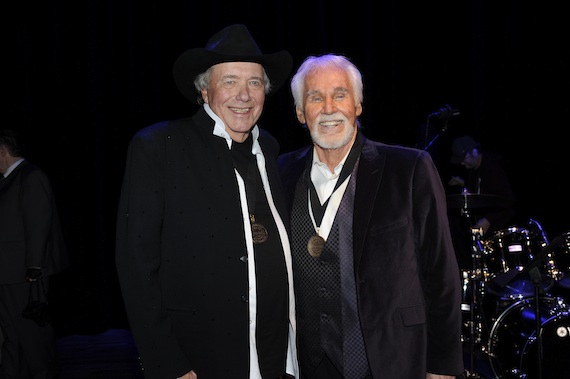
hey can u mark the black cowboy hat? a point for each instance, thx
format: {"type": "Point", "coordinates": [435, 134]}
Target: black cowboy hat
{"type": "Point", "coordinates": [232, 44]}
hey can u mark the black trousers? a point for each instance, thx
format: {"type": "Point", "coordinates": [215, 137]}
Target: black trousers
{"type": "Point", "coordinates": [29, 350]}
{"type": "Point", "coordinates": [325, 370]}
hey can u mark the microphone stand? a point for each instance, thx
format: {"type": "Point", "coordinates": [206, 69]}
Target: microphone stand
{"type": "Point", "coordinates": [427, 145]}
{"type": "Point", "coordinates": [444, 113]}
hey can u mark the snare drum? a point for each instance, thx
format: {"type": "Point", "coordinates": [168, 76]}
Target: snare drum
{"type": "Point", "coordinates": [512, 249]}
{"type": "Point", "coordinates": [513, 341]}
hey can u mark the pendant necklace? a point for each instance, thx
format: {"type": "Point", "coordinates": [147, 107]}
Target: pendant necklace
{"type": "Point", "coordinates": [316, 243]}
{"type": "Point", "coordinates": [245, 161]}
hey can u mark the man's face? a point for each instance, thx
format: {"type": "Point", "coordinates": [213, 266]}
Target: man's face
{"type": "Point", "coordinates": [236, 94]}
{"type": "Point", "coordinates": [330, 111]}
{"type": "Point", "coordinates": [471, 159]}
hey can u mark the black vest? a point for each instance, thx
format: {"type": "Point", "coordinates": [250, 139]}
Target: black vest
{"type": "Point", "coordinates": [322, 303]}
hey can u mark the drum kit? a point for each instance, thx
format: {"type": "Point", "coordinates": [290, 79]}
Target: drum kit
{"type": "Point", "coordinates": [516, 298]}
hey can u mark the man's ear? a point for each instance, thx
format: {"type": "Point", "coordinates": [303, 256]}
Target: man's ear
{"type": "Point", "coordinates": [300, 115]}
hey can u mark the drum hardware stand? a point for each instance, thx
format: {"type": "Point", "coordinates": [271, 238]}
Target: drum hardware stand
{"type": "Point", "coordinates": [536, 277]}
{"type": "Point", "coordinates": [475, 312]}
{"type": "Point", "coordinates": [477, 250]}
{"type": "Point", "coordinates": [543, 240]}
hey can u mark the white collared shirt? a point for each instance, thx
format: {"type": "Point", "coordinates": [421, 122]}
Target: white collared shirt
{"type": "Point", "coordinates": [13, 167]}
{"type": "Point", "coordinates": [325, 181]}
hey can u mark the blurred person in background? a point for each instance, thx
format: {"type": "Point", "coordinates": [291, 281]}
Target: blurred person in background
{"type": "Point", "coordinates": [32, 248]}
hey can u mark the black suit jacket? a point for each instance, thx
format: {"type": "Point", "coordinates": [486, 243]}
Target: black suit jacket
{"type": "Point", "coordinates": [30, 229]}
{"type": "Point", "coordinates": [408, 284]}
{"type": "Point", "coordinates": [181, 247]}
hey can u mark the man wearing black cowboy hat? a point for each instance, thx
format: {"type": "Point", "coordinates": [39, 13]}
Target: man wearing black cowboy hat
{"type": "Point", "coordinates": [202, 251]}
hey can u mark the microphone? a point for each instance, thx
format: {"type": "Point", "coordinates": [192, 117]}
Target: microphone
{"type": "Point", "coordinates": [445, 113]}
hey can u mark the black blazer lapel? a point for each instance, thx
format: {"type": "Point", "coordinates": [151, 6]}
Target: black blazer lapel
{"type": "Point", "coordinates": [369, 175]}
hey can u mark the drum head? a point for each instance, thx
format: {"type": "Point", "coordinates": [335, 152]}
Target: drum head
{"type": "Point", "coordinates": [512, 344]}
{"type": "Point", "coordinates": [555, 342]}
{"type": "Point", "coordinates": [520, 287]}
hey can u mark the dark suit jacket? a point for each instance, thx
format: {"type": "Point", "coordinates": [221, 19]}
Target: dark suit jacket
{"type": "Point", "coordinates": [30, 229]}
{"type": "Point", "coordinates": [407, 277]}
{"type": "Point", "coordinates": [180, 249]}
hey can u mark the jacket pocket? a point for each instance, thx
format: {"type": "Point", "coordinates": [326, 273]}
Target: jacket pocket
{"type": "Point", "coordinates": [413, 315]}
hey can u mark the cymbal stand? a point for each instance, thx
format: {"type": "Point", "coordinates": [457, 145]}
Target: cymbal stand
{"type": "Point", "coordinates": [476, 275]}
{"type": "Point", "coordinates": [475, 311]}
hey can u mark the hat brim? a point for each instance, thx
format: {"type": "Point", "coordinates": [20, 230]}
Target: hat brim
{"type": "Point", "coordinates": [195, 61]}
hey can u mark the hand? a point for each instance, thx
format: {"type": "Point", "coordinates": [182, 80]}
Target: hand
{"type": "Point", "coordinates": [456, 181]}
{"type": "Point", "coordinates": [483, 224]}
{"type": "Point", "coordinates": [429, 375]}
{"type": "Point", "coordinates": [33, 274]}
{"type": "Point", "coordinates": [189, 375]}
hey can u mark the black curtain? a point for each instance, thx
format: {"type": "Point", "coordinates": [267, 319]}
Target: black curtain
{"type": "Point", "coordinates": [82, 76]}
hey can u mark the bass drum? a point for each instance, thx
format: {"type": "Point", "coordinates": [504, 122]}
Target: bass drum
{"type": "Point", "coordinates": [513, 347]}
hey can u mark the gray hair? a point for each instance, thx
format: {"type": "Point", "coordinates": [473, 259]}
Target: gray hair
{"type": "Point", "coordinates": [202, 81]}
{"type": "Point", "coordinates": [313, 63]}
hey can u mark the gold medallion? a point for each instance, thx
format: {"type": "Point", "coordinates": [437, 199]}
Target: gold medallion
{"type": "Point", "coordinates": [258, 231]}
{"type": "Point", "coordinates": [316, 245]}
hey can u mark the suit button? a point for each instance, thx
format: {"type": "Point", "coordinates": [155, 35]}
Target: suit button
{"type": "Point", "coordinates": [243, 258]}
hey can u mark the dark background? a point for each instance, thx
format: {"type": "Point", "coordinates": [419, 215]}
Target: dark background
{"type": "Point", "coordinates": [80, 77]}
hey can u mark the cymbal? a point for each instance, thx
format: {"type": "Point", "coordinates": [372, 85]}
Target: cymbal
{"type": "Point", "coordinates": [473, 200]}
